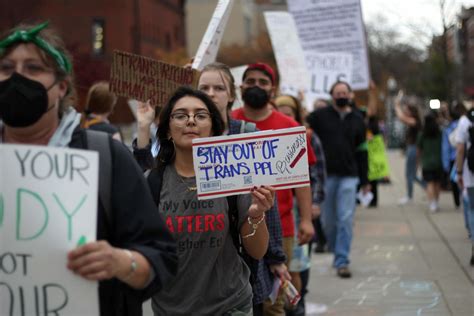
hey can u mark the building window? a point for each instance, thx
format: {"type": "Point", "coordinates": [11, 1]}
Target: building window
{"type": "Point", "coordinates": [98, 34]}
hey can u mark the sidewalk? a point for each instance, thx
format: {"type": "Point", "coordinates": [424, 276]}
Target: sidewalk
{"type": "Point", "coordinates": [405, 260]}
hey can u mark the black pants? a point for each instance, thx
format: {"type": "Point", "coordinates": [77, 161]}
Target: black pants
{"type": "Point", "coordinates": [374, 189]}
{"type": "Point", "coordinates": [319, 236]}
{"type": "Point", "coordinates": [454, 186]}
{"type": "Point", "coordinates": [258, 310]}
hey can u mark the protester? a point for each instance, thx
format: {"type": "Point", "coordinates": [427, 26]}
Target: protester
{"type": "Point", "coordinates": [409, 115]}
{"type": "Point", "coordinates": [319, 103]}
{"type": "Point", "coordinates": [258, 86]}
{"type": "Point", "coordinates": [465, 175]}
{"type": "Point", "coordinates": [100, 104]}
{"type": "Point", "coordinates": [212, 278]}
{"type": "Point", "coordinates": [373, 129]}
{"type": "Point", "coordinates": [342, 133]}
{"type": "Point", "coordinates": [217, 82]}
{"type": "Point", "coordinates": [448, 151]}
{"type": "Point", "coordinates": [300, 263]}
{"type": "Point", "coordinates": [429, 147]}
{"type": "Point", "coordinates": [134, 255]}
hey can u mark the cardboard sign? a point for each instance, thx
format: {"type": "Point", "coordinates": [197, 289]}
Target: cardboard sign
{"type": "Point", "coordinates": [326, 69]}
{"type": "Point", "coordinates": [229, 165]}
{"type": "Point", "coordinates": [378, 162]}
{"type": "Point", "coordinates": [288, 52]}
{"type": "Point", "coordinates": [211, 41]}
{"type": "Point", "coordinates": [48, 204]}
{"type": "Point", "coordinates": [143, 78]}
{"type": "Point", "coordinates": [334, 26]}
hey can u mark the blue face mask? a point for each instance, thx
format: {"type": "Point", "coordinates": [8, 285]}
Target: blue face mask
{"type": "Point", "coordinates": [22, 101]}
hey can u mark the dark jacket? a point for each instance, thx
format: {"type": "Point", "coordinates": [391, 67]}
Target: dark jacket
{"type": "Point", "coordinates": [135, 224]}
{"type": "Point", "coordinates": [344, 142]}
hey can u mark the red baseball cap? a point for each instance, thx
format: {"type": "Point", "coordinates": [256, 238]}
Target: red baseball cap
{"type": "Point", "coordinates": [265, 68]}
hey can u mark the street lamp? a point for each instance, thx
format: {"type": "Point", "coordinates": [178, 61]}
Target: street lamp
{"type": "Point", "coordinates": [435, 104]}
{"type": "Point", "coordinates": [392, 85]}
{"type": "Point", "coordinates": [393, 140]}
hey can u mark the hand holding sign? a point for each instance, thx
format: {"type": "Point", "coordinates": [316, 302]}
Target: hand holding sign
{"type": "Point", "coordinates": [95, 261]}
{"type": "Point", "coordinates": [262, 200]}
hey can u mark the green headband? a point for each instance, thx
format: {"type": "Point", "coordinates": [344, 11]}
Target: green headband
{"type": "Point", "coordinates": [31, 36]}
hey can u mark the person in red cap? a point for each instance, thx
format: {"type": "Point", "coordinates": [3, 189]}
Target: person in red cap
{"type": "Point", "coordinates": [258, 87]}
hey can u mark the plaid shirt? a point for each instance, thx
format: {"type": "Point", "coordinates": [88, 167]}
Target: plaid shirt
{"type": "Point", "coordinates": [261, 277]}
{"type": "Point", "coordinates": [318, 170]}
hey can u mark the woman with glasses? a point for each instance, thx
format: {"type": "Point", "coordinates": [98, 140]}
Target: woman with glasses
{"type": "Point", "coordinates": [212, 278]}
{"type": "Point", "coordinates": [134, 254]}
{"type": "Point", "coordinates": [217, 82]}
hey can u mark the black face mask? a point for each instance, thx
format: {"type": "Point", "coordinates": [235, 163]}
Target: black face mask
{"type": "Point", "coordinates": [342, 102]}
{"type": "Point", "coordinates": [255, 97]}
{"type": "Point", "coordinates": [22, 101]}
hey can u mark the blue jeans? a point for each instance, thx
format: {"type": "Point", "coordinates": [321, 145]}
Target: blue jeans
{"type": "Point", "coordinates": [410, 170]}
{"type": "Point", "coordinates": [338, 215]}
{"type": "Point", "coordinates": [470, 212]}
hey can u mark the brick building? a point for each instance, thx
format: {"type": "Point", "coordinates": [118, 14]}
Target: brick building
{"type": "Point", "coordinates": [92, 29]}
{"type": "Point", "coordinates": [460, 45]}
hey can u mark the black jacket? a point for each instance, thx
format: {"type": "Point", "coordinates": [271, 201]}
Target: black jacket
{"type": "Point", "coordinates": [135, 224]}
{"type": "Point", "coordinates": [343, 140]}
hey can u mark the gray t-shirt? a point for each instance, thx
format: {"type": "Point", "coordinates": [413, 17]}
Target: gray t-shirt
{"type": "Point", "coordinates": [212, 278]}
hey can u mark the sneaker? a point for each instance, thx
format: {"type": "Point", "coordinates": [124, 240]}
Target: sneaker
{"type": "Point", "coordinates": [344, 272]}
{"type": "Point", "coordinates": [404, 200]}
{"type": "Point", "coordinates": [316, 308]}
{"type": "Point", "coordinates": [434, 207]}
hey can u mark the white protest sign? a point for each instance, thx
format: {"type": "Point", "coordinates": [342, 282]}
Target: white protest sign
{"type": "Point", "coordinates": [211, 41]}
{"type": "Point", "coordinates": [228, 165]}
{"type": "Point", "coordinates": [237, 73]}
{"type": "Point", "coordinates": [288, 52]}
{"type": "Point", "coordinates": [325, 70]}
{"type": "Point", "coordinates": [48, 204]}
{"type": "Point", "coordinates": [334, 26]}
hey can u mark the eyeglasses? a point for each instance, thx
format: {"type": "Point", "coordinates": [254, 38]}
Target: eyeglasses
{"type": "Point", "coordinates": [200, 118]}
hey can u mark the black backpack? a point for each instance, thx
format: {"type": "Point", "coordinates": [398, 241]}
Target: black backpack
{"type": "Point", "coordinates": [470, 151]}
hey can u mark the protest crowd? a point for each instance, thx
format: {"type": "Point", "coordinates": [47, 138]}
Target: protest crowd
{"type": "Point", "coordinates": [242, 253]}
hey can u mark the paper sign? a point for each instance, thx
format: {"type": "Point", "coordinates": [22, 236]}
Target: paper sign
{"type": "Point", "coordinates": [378, 163]}
{"type": "Point", "coordinates": [325, 69]}
{"type": "Point", "coordinates": [288, 52]}
{"type": "Point", "coordinates": [237, 73]}
{"type": "Point", "coordinates": [143, 78]}
{"type": "Point", "coordinates": [334, 26]}
{"type": "Point", "coordinates": [211, 41]}
{"type": "Point", "coordinates": [229, 165]}
{"type": "Point", "coordinates": [48, 205]}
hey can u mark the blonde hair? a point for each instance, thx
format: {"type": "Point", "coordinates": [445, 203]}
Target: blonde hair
{"type": "Point", "coordinates": [99, 98]}
{"type": "Point", "coordinates": [224, 71]}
